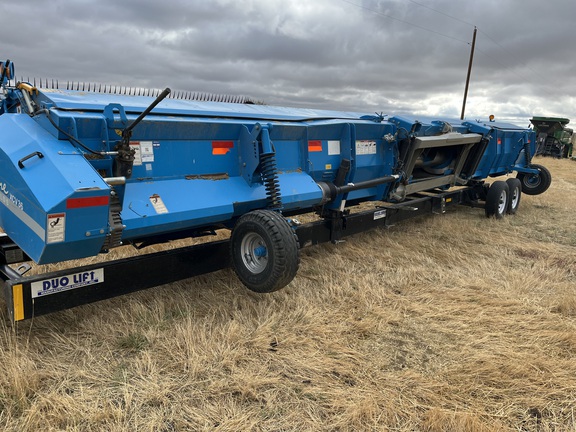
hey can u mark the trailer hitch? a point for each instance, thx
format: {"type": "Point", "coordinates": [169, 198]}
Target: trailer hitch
{"type": "Point", "coordinates": [124, 160]}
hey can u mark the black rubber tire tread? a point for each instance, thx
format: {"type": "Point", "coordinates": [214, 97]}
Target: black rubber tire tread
{"type": "Point", "coordinates": [493, 199]}
{"type": "Point", "coordinates": [514, 187]}
{"type": "Point", "coordinates": [535, 189]}
{"type": "Point", "coordinates": [282, 246]}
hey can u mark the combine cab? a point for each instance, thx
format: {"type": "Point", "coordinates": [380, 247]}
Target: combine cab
{"type": "Point", "coordinates": [82, 172]}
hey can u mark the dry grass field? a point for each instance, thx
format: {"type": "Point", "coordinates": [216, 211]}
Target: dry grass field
{"type": "Point", "coordinates": [451, 322]}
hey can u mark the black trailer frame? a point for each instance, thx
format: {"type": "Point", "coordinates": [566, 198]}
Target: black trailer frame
{"type": "Point", "coordinates": [29, 296]}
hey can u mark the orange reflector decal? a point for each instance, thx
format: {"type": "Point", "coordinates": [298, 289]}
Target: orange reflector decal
{"type": "Point", "coordinates": [87, 202]}
{"type": "Point", "coordinates": [315, 146]}
{"type": "Point", "coordinates": [73, 203]}
{"type": "Point", "coordinates": [18, 302]}
{"type": "Point", "coordinates": [499, 141]}
{"type": "Point", "coordinates": [221, 147]}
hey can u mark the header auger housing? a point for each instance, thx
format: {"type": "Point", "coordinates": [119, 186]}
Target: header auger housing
{"type": "Point", "coordinates": [82, 172]}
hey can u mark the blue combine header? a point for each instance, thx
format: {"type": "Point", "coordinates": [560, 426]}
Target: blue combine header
{"type": "Point", "coordinates": [82, 172]}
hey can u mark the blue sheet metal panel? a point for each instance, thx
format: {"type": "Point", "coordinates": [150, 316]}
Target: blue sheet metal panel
{"type": "Point", "coordinates": [164, 159]}
{"type": "Point", "coordinates": [289, 141]}
{"type": "Point", "coordinates": [506, 144]}
{"type": "Point", "coordinates": [498, 157]}
{"type": "Point", "coordinates": [182, 146]}
{"type": "Point", "coordinates": [87, 101]}
{"type": "Point", "coordinates": [163, 206]}
{"type": "Point", "coordinates": [360, 141]}
{"type": "Point", "coordinates": [374, 157]}
{"type": "Point", "coordinates": [171, 205]}
{"type": "Point", "coordinates": [299, 191]}
{"type": "Point", "coordinates": [427, 125]}
{"type": "Point", "coordinates": [35, 195]}
{"type": "Point", "coordinates": [504, 126]}
{"type": "Point", "coordinates": [210, 147]}
{"type": "Point", "coordinates": [172, 146]}
{"type": "Point", "coordinates": [326, 145]}
{"type": "Point", "coordinates": [90, 128]}
{"type": "Point", "coordinates": [506, 140]}
{"type": "Point", "coordinates": [199, 201]}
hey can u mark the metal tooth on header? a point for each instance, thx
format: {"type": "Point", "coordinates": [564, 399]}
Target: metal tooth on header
{"type": "Point", "coordinates": [135, 91]}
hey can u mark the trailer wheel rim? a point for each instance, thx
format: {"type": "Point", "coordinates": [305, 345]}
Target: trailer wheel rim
{"type": "Point", "coordinates": [532, 180]}
{"type": "Point", "coordinates": [515, 198]}
{"type": "Point", "coordinates": [254, 253]}
{"type": "Point", "coordinates": [502, 202]}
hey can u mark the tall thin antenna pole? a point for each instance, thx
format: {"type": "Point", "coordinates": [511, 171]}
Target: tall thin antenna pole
{"type": "Point", "coordinates": [469, 72]}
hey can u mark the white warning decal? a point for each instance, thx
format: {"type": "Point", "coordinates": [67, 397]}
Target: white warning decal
{"type": "Point", "coordinates": [147, 151]}
{"type": "Point", "coordinates": [365, 147]}
{"type": "Point", "coordinates": [158, 204]}
{"type": "Point", "coordinates": [135, 145]}
{"type": "Point", "coordinates": [67, 282]}
{"type": "Point", "coordinates": [333, 147]}
{"type": "Point", "coordinates": [55, 228]}
{"type": "Point", "coordinates": [143, 151]}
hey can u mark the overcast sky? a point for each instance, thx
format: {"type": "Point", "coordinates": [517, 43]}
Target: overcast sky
{"type": "Point", "coordinates": [390, 56]}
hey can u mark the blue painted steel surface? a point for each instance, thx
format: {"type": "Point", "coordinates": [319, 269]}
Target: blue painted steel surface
{"type": "Point", "coordinates": [507, 149]}
{"type": "Point", "coordinates": [507, 146]}
{"type": "Point", "coordinates": [37, 212]}
{"type": "Point", "coordinates": [73, 100]}
{"type": "Point", "coordinates": [202, 165]}
{"type": "Point", "coordinates": [196, 166]}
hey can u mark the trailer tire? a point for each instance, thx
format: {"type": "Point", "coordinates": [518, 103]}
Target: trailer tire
{"type": "Point", "coordinates": [515, 193]}
{"type": "Point", "coordinates": [535, 184]}
{"type": "Point", "coordinates": [264, 251]}
{"type": "Point", "coordinates": [497, 200]}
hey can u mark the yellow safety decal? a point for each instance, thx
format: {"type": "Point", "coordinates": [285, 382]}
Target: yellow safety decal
{"type": "Point", "coordinates": [18, 298]}
{"type": "Point", "coordinates": [448, 200]}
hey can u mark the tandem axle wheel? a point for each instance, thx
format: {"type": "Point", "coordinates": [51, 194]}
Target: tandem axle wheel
{"type": "Point", "coordinates": [503, 197]}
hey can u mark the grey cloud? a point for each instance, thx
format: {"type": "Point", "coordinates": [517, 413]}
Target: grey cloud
{"type": "Point", "coordinates": [331, 54]}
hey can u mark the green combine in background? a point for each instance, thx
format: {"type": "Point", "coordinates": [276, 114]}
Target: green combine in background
{"type": "Point", "coordinates": [553, 138]}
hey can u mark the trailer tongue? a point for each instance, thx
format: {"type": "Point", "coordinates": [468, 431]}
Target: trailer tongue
{"type": "Point", "coordinates": [83, 172]}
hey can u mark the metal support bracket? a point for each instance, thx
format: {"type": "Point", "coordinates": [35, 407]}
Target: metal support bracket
{"type": "Point", "coordinates": [249, 144]}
